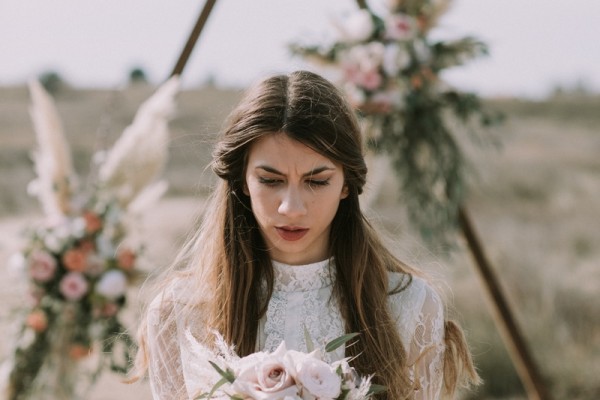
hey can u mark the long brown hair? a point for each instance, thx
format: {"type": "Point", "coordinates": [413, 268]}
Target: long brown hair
{"type": "Point", "coordinates": [233, 257]}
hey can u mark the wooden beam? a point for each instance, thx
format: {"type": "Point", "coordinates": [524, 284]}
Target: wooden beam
{"type": "Point", "coordinates": [362, 3]}
{"type": "Point", "coordinates": [503, 317]}
{"type": "Point", "coordinates": [193, 38]}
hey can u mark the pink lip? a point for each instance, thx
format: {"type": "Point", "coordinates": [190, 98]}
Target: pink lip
{"type": "Point", "coordinates": [291, 233]}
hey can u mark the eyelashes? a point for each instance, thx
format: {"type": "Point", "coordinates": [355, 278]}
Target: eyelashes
{"type": "Point", "coordinates": [271, 182]}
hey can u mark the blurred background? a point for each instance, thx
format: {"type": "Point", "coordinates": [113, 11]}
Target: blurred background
{"type": "Point", "coordinates": [534, 188]}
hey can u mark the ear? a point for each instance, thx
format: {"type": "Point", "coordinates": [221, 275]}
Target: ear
{"type": "Point", "coordinates": [245, 189]}
{"type": "Point", "coordinates": [344, 193]}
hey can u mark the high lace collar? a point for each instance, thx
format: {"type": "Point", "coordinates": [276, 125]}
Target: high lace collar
{"type": "Point", "coordinates": [302, 278]}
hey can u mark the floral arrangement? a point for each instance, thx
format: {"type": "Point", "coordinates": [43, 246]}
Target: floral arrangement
{"type": "Point", "coordinates": [390, 70]}
{"type": "Point", "coordinates": [287, 375]}
{"type": "Point", "coordinates": [81, 260]}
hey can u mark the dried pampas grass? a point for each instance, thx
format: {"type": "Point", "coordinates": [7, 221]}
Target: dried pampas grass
{"type": "Point", "coordinates": [55, 180]}
{"type": "Point", "coordinates": [140, 154]}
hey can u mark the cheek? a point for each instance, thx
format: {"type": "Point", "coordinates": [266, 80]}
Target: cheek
{"type": "Point", "coordinates": [260, 201]}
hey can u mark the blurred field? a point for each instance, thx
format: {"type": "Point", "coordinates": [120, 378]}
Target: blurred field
{"type": "Point", "coordinates": [534, 199]}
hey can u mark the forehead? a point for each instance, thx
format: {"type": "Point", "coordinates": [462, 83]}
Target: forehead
{"type": "Point", "coordinates": [280, 149]}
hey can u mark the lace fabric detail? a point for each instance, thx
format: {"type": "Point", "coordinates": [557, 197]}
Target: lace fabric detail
{"type": "Point", "coordinates": [302, 300]}
{"type": "Point", "coordinates": [302, 278]}
{"type": "Point", "coordinates": [419, 313]}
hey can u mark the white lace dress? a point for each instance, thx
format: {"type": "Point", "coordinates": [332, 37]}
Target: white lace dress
{"type": "Point", "coordinates": [301, 299]}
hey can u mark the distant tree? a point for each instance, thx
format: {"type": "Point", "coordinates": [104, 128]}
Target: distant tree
{"type": "Point", "coordinates": [210, 80]}
{"type": "Point", "coordinates": [52, 81]}
{"type": "Point", "coordinates": [137, 75]}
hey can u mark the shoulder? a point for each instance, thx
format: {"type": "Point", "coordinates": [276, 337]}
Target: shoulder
{"type": "Point", "coordinates": [417, 303]}
{"type": "Point", "coordinates": [411, 290]}
{"type": "Point", "coordinates": [172, 299]}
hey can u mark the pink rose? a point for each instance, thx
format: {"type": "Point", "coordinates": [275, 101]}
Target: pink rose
{"type": "Point", "coordinates": [42, 266]}
{"type": "Point", "coordinates": [73, 286]}
{"type": "Point", "coordinates": [370, 79]}
{"type": "Point", "coordinates": [316, 377]}
{"type": "Point", "coordinates": [265, 378]}
{"type": "Point", "coordinates": [400, 27]}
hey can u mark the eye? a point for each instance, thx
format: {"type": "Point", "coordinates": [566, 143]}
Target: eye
{"type": "Point", "coordinates": [269, 181]}
{"type": "Point", "coordinates": [318, 182]}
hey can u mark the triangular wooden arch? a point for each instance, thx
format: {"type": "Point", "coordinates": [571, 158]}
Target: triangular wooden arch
{"type": "Point", "coordinates": [502, 314]}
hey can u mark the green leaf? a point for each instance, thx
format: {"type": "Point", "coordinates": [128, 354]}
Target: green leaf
{"type": "Point", "coordinates": [227, 374]}
{"type": "Point", "coordinates": [213, 390]}
{"type": "Point", "coordinates": [376, 389]}
{"type": "Point", "coordinates": [335, 343]}
{"type": "Point", "coordinates": [310, 346]}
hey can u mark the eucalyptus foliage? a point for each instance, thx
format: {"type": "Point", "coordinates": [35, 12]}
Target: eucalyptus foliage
{"type": "Point", "coordinates": [390, 68]}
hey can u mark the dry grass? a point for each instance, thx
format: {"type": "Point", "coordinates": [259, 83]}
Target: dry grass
{"type": "Point", "coordinates": [534, 201]}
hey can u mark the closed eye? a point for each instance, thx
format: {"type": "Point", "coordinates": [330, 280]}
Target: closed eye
{"type": "Point", "coordinates": [318, 182]}
{"type": "Point", "coordinates": [269, 181]}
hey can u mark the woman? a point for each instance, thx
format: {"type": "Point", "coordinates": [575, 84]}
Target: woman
{"type": "Point", "coordinates": [283, 247]}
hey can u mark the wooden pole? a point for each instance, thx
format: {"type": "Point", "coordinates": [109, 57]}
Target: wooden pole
{"type": "Point", "coordinates": [193, 38]}
{"type": "Point", "coordinates": [362, 3]}
{"type": "Point", "coordinates": [517, 348]}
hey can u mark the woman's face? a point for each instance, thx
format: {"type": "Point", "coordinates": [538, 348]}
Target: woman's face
{"type": "Point", "coordinates": [295, 193]}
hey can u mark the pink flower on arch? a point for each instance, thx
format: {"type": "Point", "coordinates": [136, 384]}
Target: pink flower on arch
{"type": "Point", "coordinates": [93, 222]}
{"type": "Point", "coordinates": [126, 259]}
{"type": "Point", "coordinates": [75, 259]}
{"type": "Point", "coordinates": [400, 27]}
{"type": "Point", "coordinates": [37, 320]}
{"type": "Point", "coordinates": [73, 286]}
{"type": "Point", "coordinates": [42, 266]}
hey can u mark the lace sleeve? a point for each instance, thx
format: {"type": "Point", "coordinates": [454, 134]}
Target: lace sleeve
{"type": "Point", "coordinates": [165, 365]}
{"type": "Point", "coordinates": [419, 314]}
{"type": "Point", "coordinates": [426, 350]}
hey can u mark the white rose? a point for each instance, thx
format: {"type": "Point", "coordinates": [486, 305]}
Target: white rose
{"type": "Point", "coordinates": [112, 285]}
{"type": "Point", "coordinates": [350, 377]}
{"type": "Point", "coordinates": [319, 379]}
{"type": "Point", "coordinates": [265, 376]}
{"type": "Point", "coordinates": [53, 243]}
{"type": "Point", "coordinates": [17, 264]}
{"type": "Point", "coordinates": [78, 227]}
{"type": "Point", "coordinates": [395, 59]}
{"type": "Point", "coordinates": [422, 51]}
{"type": "Point", "coordinates": [105, 247]}
{"type": "Point", "coordinates": [356, 27]}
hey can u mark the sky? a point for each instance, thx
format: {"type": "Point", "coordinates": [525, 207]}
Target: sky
{"type": "Point", "coordinates": [535, 45]}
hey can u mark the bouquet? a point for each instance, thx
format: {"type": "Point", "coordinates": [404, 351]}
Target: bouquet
{"type": "Point", "coordinates": [288, 375]}
{"type": "Point", "coordinates": [80, 260]}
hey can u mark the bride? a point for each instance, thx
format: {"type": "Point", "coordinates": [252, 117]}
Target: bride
{"type": "Point", "coordinates": [283, 247]}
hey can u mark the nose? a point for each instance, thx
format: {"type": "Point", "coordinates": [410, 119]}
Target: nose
{"type": "Point", "coordinates": [292, 205]}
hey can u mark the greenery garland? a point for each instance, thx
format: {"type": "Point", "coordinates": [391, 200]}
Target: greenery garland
{"type": "Point", "coordinates": [81, 259]}
{"type": "Point", "coordinates": [390, 70]}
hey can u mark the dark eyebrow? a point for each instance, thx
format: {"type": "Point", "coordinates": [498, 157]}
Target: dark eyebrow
{"type": "Point", "coordinates": [315, 171]}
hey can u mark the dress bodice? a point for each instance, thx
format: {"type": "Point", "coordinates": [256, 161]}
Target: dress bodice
{"type": "Point", "coordinates": [301, 302]}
